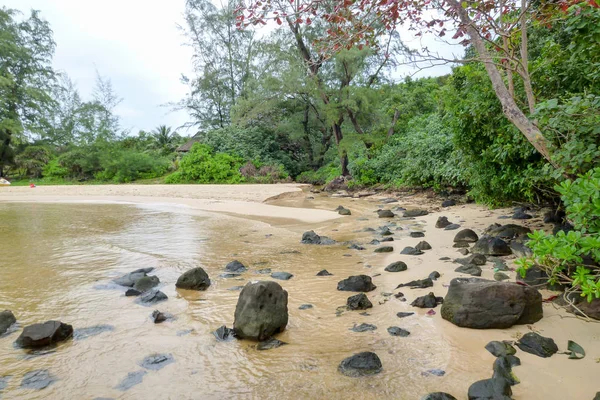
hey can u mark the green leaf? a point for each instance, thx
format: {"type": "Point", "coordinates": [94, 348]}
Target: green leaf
{"type": "Point", "coordinates": [576, 352]}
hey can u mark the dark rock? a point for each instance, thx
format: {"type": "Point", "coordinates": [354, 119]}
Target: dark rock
{"type": "Point", "coordinates": [397, 331]}
{"type": "Point", "coordinates": [474, 259]}
{"type": "Point", "coordinates": [305, 307]}
{"type": "Point", "coordinates": [261, 311]}
{"type": "Point", "coordinates": [387, 239]}
{"type": "Point", "coordinates": [156, 362]}
{"type": "Point", "coordinates": [374, 241]}
{"type": "Point", "coordinates": [499, 263]}
{"type": "Point", "coordinates": [132, 379]}
{"type": "Point", "coordinates": [444, 258]}
{"type": "Point", "coordinates": [385, 214]}
{"type": "Point", "coordinates": [264, 271]}
{"type": "Point", "coordinates": [236, 267]}
{"type": "Point", "coordinates": [591, 309]}
{"type": "Point", "coordinates": [434, 275]}
{"type": "Point", "coordinates": [132, 293]}
{"type": "Point", "coordinates": [361, 364]}
{"type": "Point", "coordinates": [565, 227]}
{"type": "Point", "coordinates": [520, 214]}
{"type": "Point", "coordinates": [417, 234]}
{"type": "Point", "coordinates": [224, 334]}
{"type": "Point", "coordinates": [491, 246]}
{"type": "Point", "coordinates": [436, 372]}
{"type": "Point", "coordinates": [483, 304]}
{"type": "Point", "coordinates": [368, 229]}
{"type": "Point", "coordinates": [397, 266]}
{"type": "Point", "coordinates": [418, 284]}
{"type": "Point", "coordinates": [195, 279]}
{"type": "Point", "coordinates": [343, 211]}
{"type": "Point", "coordinates": [355, 246]}
{"type": "Point", "coordinates": [520, 250]}
{"type": "Point", "coordinates": [442, 222]}
{"type": "Point", "coordinates": [508, 231]}
{"type": "Point", "coordinates": [503, 370]}
{"type": "Point", "coordinates": [311, 237]}
{"type": "Point", "coordinates": [324, 272]}
{"type": "Point", "coordinates": [466, 235]}
{"type": "Point", "coordinates": [363, 328]}
{"type": "Point", "coordinates": [269, 344]}
{"type": "Point", "coordinates": [7, 318]}
{"type": "Point", "coordinates": [131, 278]}
{"type": "Point", "coordinates": [284, 276]}
{"type": "Point", "coordinates": [490, 389]}
{"type": "Point", "coordinates": [388, 201]}
{"type": "Point", "coordinates": [438, 396]}
{"type": "Point", "coordinates": [357, 283]}
{"type": "Point", "coordinates": [384, 249]}
{"type": "Point", "coordinates": [461, 245]}
{"type": "Point", "coordinates": [469, 269]}
{"type": "Point", "coordinates": [158, 317]}
{"type": "Point", "coordinates": [37, 380]}
{"type": "Point", "coordinates": [452, 227]}
{"type": "Point", "coordinates": [464, 252]}
{"type": "Point", "coordinates": [411, 251]}
{"type": "Point", "coordinates": [554, 217]}
{"type": "Point", "coordinates": [39, 335]}
{"type": "Point", "coordinates": [501, 276]}
{"type": "Point", "coordinates": [152, 297]}
{"type": "Point", "coordinates": [414, 213]}
{"type": "Point", "coordinates": [146, 283]}
{"type": "Point", "coordinates": [538, 345]}
{"type": "Point", "coordinates": [535, 276]}
{"type": "Point", "coordinates": [500, 349]}
{"type": "Point", "coordinates": [84, 333]}
{"type": "Point", "coordinates": [404, 314]}
{"type": "Point", "coordinates": [448, 203]}
{"type": "Point", "coordinates": [427, 301]}
{"type": "Point", "coordinates": [359, 302]}
{"type": "Point", "coordinates": [423, 245]}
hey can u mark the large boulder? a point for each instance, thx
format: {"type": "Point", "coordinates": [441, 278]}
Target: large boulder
{"type": "Point", "coordinates": [39, 335]}
{"type": "Point", "coordinates": [491, 246]}
{"type": "Point", "coordinates": [490, 389]}
{"type": "Point", "coordinates": [146, 283]}
{"type": "Point", "coordinates": [359, 302]}
{"type": "Point", "coordinates": [466, 235]}
{"type": "Point", "coordinates": [357, 283]}
{"type": "Point", "coordinates": [235, 267]}
{"type": "Point", "coordinates": [397, 266]}
{"type": "Point", "coordinates": [508, 231]}
{"type": "Point", "coordinates": [385, 214]}
{"type": "Point", "coordinates": [194, 279]}
{"type": "Point", "coordinates": [131, 278]}
{"type": "Point", "coordinates": [361, 364]}
{"type": "Point", "coordinates": [261, 311]}
{"type": "Point", "coordinates": [7, 318]}
{"type": "Point", "coordinates": [483, 304]}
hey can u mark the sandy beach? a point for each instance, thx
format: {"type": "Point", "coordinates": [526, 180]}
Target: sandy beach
{"type": "Point", "coordinates": [288, 210]}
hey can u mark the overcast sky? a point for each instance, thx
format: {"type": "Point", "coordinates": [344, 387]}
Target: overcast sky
{"type": "Point", "coordinates": [135, 43]}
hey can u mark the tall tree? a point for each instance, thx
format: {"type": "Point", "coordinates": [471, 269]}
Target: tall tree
{"type": "Point", "coordinates": [26, 76]}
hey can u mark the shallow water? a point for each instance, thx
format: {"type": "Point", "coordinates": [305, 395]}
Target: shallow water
{"type": "Point", "coordinates": [57, 263]}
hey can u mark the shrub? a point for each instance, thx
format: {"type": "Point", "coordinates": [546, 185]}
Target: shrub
{"type": "Point", "coordinates": [129, 165]}
{"type": "Point", "coordinates": [572, 258]}
{"type": "Point", "coordinates": [200, 165]}
{"type": "Point", "coordinates": [323, 175]}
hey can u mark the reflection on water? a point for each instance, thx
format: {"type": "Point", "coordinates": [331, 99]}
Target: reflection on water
{"type": "Point", "coordinates": [57, 261]}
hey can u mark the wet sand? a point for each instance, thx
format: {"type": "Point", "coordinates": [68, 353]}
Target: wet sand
{"type": "Point", "coordinates": [318, 340]}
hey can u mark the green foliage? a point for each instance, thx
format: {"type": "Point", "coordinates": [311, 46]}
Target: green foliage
{"type": "Point", "coordinates": [126, 166]}
{"type": "Point", "coordinates": [32, 160]}
{"type": "Point", "coordinates": [573, 257]}
{"type": "Point", "coordinates": [323, 175]}
{"type": "Point", "coordinates": [202, 165]}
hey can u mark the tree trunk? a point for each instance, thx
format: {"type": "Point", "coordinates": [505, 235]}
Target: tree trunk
{"type": "Point", "coordinates": [390, 131]}
{"type": "Point", "coordinates": [509, 106]}
{"type": "Point", "coordinates": [337, 133]}
{"type": "Point", "coordinates": [525, 60]}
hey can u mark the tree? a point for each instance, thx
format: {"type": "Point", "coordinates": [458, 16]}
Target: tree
{"type": "Point", "coordinates": [165, 140]}
{"type": "Point", "coordinates": [26, 76]}
{"type": "Point", "coordinates": [498, 31]}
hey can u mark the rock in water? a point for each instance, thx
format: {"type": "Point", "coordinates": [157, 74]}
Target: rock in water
{"type": "Point", "coordinates": [483, 304]}
{"type": "Point", "coordinates": [157, 362]}
{"type": "Point", "coordinates": [261, 311]}
{"type": "Point", "coordinates": [131, 278]}
{"type": "Point", "coordinates": [363, 328]}
{"type": "Point", "coordinates": [414, 213]}
{"type": "Point", "coordinates": [385, 214]}
{"type": "Point", "coordinates": [236, 267]}
{"type": "Point", "coordinates": [397, 266]}
{"type": "Point", "coordinates": [427, 301]}
{"type": "Point", "coordinates": [194, 279]}
{"type": "Point", "coordinates": [404, 314]}
{"type": "Point", "coordinates": [423, 245]}
{"type": "Point", "coordinates": [7, 318]}
{"type": "Point", "coordinates": [411, 251]}
{"type": "Point", "coordinates": [490, 389]}
{"type": "Point", "coordinates": [418, 284]}
{"type": "Point", "coordinates": [538, 345]}
{"type": "Point", "coordinates": [438, 396]}
{"type": "Point", "coordinates": [491, 246]}
{"type": "Point", "coordinates": [466, 235]}
{"type": "Point", "coordinates": [269, 344]}
{"type": "Point", "coordinates": [452, 227]}
{"type": "Point", "coordinates": [357, 283]}
{"type": "Point", "coordinates": [39, 335]}
{"type": "Point", "coordinates": [324, 272]}
{"type": "Point", "coordinates": [132, 293]}
{"type": "Point", "coordinates": [284, 276]}
{"type": "Point", "coordinates": [38, 380]}
{"type": "Point", "coordinates": [146, 283]}
{"type": "Point", "coordinates": [417, 234]}
{"type": "Point", "coordinates": [158, 317]}
{"type": "Point", "coordinates": [500, 349]}
{"type": "Point", "coordinates": [343, 211]}
{"type": "Point", "coordinates": [397, 331]}
{"type": "Point", "coordinates": [384, 249]}
{"type": "Point", "coordinates": [359, 302]}
{"type": "Point", "coordinates": [152, 297]}
{"type": "Point", "coordinates": [361, 364]}
{"type": "Point", "coordinates": [442, 222]}
{"type": "Point", "coordinates": [224, 334]}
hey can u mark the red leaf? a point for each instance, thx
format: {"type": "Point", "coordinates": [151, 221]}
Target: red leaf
{"type": "Point", "coordinates": [278, 21]}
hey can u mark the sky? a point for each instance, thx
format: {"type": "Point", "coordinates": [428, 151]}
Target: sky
{"type": "Point", "coordinates": [137, 44]}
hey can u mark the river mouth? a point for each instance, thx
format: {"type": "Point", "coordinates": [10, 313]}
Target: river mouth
{"type": "Point", "coordinates": [58, 261]}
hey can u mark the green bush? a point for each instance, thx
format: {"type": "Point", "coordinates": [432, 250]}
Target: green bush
{"type": "Point", "coordinates": [323, 175]}
{"type": "Point", "coordinates": [122, 166]}
{"type": "Point", "coordinates": [201, 165]}
{"type": "Point", "coordinates": [54, 170]}
{"type": "Point", "coordinates": [573, 257]}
